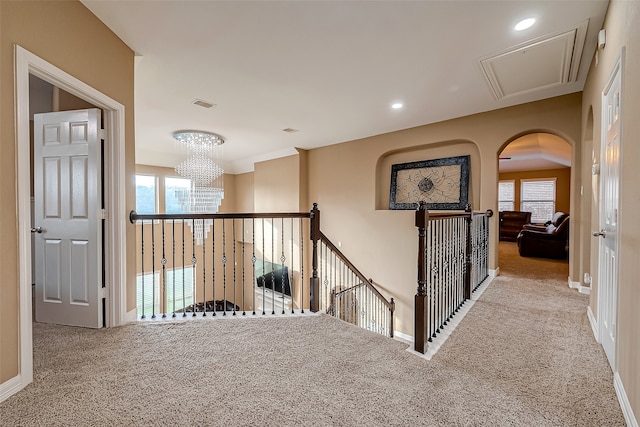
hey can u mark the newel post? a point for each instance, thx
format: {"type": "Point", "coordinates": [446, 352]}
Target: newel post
{"type": "Point", "coordinates": [314, 302]}
{"type": "Point", "coordinates": [421, 300]}
{"type": "Point", "coordinates": [469, 260]}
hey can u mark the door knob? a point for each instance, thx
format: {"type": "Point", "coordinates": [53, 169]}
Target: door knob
{"type": "Point", "coordinates": [600, 233]}
{"type": "Point", "coordinates": [37, 229]}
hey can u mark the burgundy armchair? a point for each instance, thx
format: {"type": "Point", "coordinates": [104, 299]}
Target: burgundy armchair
{"type": "Point", "coordinates": [546, 241]}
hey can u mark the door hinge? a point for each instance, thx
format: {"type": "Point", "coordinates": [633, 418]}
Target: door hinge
{"type": "Point", "coordinates": [102, 293]}
{"type": "Point", "coordinates": [103, 214]}
{"type": "Point", "coordinates": [101, 134]}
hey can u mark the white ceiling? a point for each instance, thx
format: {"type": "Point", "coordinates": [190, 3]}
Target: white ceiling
{"type": "Point", "coordinates": [332, 69]}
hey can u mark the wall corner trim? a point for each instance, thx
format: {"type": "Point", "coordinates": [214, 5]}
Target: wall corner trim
{"type": "Point", "coordinates": [594, 324]}
{"type": "Point", "coordinates": [131, 316]}
{"type": "Point", "coordinates": [627, 411]}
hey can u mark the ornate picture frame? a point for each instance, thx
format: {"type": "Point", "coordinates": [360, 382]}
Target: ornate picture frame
{"type": "Point", "coordinates": [442, 183]}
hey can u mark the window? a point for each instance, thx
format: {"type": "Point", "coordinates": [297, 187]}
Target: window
{"type": "Point", "coordinates": [506, 195]}
{"type": "Point", "coordinates": [146, 200]}
{"type": "Point", "coordinates": [146, 298]}
{"type": "Point", "coordinates": [538, 196]}
{"type": "Point", "coordinates": [180, 284]}
{"type": "Point", "coordinates": [179, 294]}
{"type": "Point", "coordinates": [174, 188]}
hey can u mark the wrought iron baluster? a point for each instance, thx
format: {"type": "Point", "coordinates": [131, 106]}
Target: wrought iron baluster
{"type": "Point", "coordinates": [235, 298]}
{"type": "Point", "coordinates": [173, 265]}
{"type": "Point", "coordinates": [264, 284]}
{"type": "Point", "coordinates": [244, 306]}
{"type": "Point", "coordinates": [163, 280]}
{"type": "Point", "coordinates": [273, 273]}
{"type": "Point", "coordinates": [253, 263]}
{"type": "Point", "coordinates": [213, 264]}
{"type": "Point", "coordinates": [153, 266]}
{"type": "Point", "coordinates": [282, 260]}
{"type": "Point", "coordinates": [224, 268]}
{"type": "Point", "coordinates": [142, 264]}
{"type": "Point", "coordinates": [301, 267]}
{"type": "Point", "coordinates": [184, 268]}
{"type": "Point", "coordinates": [292, 284]}
{"type": "Point", "coordinates": [193, 263]}
{"type": "Point", "coordinates": [204, 274]}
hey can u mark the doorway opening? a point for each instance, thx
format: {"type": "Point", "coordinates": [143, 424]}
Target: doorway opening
{"type": "Point", "coordinates": [534, 189]}
{"type": "Point", "coordinates": [66, 201]}
{"type": "Point", "coordinates": [27, 65]}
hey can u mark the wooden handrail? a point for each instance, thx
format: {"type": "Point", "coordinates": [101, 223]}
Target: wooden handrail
{"type": "Point", "coordinates": [343, 258]}
{"type": "Point", "coordinates": [369, 284]}
{"type": "Point", "coordinates": [133, 216]}
{"type": "Point", "coordinates": [462, 214]}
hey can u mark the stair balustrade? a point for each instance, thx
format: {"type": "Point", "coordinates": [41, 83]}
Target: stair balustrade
{"type": "Point", "coordinates": [453, 253]}
{"type": "Point", "coordinates": [241, 264]}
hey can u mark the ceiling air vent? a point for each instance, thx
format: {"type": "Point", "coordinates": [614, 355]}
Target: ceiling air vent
{"type": "Point", "coordinates": [290, 130]}
{"type": "Point", "coordinates": [544, 62]}
{"type": "Point", "coordinates": [204, 104]}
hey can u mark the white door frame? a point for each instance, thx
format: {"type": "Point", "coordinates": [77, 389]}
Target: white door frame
{"type": "Point", "coordinates": [115, 232]}
{"type": "Point", "coordinates": [617, 68]}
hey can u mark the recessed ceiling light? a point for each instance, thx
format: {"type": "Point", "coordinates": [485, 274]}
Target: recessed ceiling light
{"type": "Point", "coordinates": [396, 105]}
{"type": "Point", "coordinates": [524, 24]}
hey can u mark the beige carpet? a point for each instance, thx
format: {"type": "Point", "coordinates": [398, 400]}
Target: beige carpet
{"type": "Point", "coordinates": [523, 356]}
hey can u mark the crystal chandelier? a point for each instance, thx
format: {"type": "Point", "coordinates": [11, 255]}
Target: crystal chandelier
{"type": "Point", "coordinates": [202, 168]}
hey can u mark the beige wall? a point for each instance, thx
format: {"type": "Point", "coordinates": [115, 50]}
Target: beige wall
{"type": "Point", "coordinates": [244, 192]}
{"type": "Point", "coordinates": [622, 25]}
{"type": "Point", "coordinates": [350, 182]}
{"type": "Point", "coordinates": [563, 184]}
{"type": "Point", "coordinates": [70, 37]}
{"type": "Point", "coordinates": [277, 184]}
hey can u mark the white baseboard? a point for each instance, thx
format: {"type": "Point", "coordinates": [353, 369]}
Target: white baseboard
{"type": "Point", "coordinates": [439, 340]}
{"type": "Point", "coordinates": [581, 289]}
{"type": "Point", "coordinates": [627, 411]}
{"type": "Point", "coordinates": [594, 324]}
{"type": "Point", "coordinates": [494, 273]}
{"type": "Point", "coordinates": [584, 290]}
{"type": "Point", "coordinates": [11, 387]}
{"type": "Point", "coordinates": [402, 337]}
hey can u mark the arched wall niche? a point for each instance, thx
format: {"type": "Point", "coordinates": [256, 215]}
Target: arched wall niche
{"type": "Point", "coordinates": [432, 151]}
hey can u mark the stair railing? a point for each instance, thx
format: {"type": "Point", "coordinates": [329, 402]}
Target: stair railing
{"type": "Point", "coordinates": [345, 293]}
{"type": "Point", "coordinates": [250, 263]}
{"type": "Point", "coordinates": [453, 251]}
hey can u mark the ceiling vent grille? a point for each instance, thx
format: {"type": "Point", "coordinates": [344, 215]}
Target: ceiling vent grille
{"type": "Point", "coordinates": [204, 104]}
{"type": "Point", "coordinates": [541, 63]}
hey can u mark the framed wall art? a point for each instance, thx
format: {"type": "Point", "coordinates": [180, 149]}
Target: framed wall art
{"type": "Point", "coordinates": [442, 183]}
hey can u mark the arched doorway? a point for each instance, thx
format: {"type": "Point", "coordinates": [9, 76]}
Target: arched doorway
{"type": "Point", "coordinates": [534, 184]}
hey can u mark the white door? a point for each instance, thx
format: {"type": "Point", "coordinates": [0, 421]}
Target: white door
{"type": "Point", "coordinates": [67, 225]}
{"type": "Point", "coordinates": [609, 185]}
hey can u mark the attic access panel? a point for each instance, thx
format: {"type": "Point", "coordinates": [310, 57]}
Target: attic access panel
{"type": "Point", "coordinates": [541, 63]}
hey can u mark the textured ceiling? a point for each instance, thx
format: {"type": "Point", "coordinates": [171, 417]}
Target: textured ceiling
{"type": "Point", "coordinates": [329, 69]}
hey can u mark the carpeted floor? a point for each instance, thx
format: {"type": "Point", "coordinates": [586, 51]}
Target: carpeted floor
{"type": "Point", "coordinates": [523, 356]}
